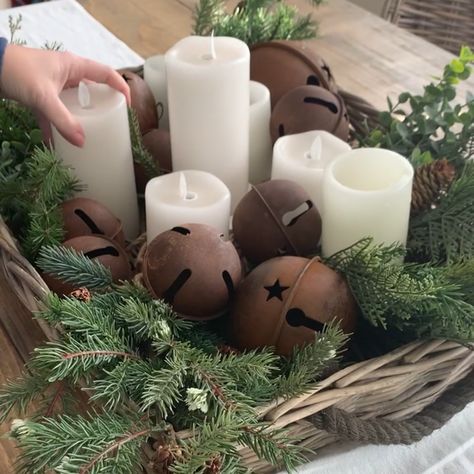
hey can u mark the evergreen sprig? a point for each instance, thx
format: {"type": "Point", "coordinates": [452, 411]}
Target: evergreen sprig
{"type": "Point", "coordinates": [97, 443]}
{"type": "Point", "coordinates": [415, 298]}
{"type": "Point", "coordinates": [254, 21]}
{"type": "Point", "coordinates": [73, 267]}
{"type": "Point", "coordinates": [430, 125]}
{"type": "Point", "coordinates": [444, 234]}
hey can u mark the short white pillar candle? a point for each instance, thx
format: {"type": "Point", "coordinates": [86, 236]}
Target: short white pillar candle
{"type": "Point", "coordinates": [260, 140]}
{"type": "Point", "coordinates": [186, 197]}
{"type": "Point", "coordinates": [366, 193]}
{"type": "Point", "coordinates": [154, 73]}
{"type": "Point", "coordinates": [302, 158]}
{"type": "Point", "coordinates": [208, 98]}
{"type": "Point", "coordinates": [105, 162]}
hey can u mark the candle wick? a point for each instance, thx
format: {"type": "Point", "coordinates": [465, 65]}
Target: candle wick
{"type": "Point", "coordinates": [184, 192]}
{"type": "Point", "coordinates": [212, 45]}
{"type": "Point", "coordinates": [83, 95]}
{"type": "Point", "coordinates": [315, 152]}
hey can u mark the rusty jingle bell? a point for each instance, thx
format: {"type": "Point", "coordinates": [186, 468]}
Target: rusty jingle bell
{"type": "Point", "coordinates": [194, 269]}
{"type": "Point", "coordinates": [309, 108]}
{"type": "Point", "coordinates": [142, 101]}
{"type": "Point", "coordinates": [102, 249]}
{"type": "Point", "coordinates": [284, 301]}
{"type": "Point", "coordinates": [285, 64]}
{"type": "Point", "coordinates": [276, 218]}
{"type": "Point", "coordinates": [84, 216]}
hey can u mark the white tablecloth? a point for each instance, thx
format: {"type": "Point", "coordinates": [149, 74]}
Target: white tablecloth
{"type": "Point", "coordinates": [447, 451]}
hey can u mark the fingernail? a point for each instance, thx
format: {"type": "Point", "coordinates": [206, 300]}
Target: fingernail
{"type": "Point", "coordinates": [79, 139]}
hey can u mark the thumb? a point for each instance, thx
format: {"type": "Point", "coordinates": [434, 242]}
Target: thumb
{"type": "Point", "coordinates": [59, 116]}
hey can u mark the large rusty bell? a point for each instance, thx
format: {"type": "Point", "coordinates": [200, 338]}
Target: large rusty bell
{"type": "Point", "coordinates": [84, 216]}
{"type": "Point", "coordinates": [276, 218]}
{"type": "Point", "coordinates": [309, 108]}
{"type": "Point", "coordinates": [286, 301]}
{"type": "Point", "coordinates": [102, 249]}
{"type": "Point", "coordinates": [285, 64]}
{"type": "Point", "coordinates": [194, 269]}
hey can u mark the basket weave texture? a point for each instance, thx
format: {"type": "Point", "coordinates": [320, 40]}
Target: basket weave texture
{"type": "Point", "coordinates": [446, 23]}
{"type": "Point", "coordinates": [385, 389]}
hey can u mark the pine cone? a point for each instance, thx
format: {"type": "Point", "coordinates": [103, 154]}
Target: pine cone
{"type": "Point", "coordinates": [429, 183]}
{"type": "Point", "coordinates": [81, 294]}
{"type": "Point", "coordinates": [213, 466]}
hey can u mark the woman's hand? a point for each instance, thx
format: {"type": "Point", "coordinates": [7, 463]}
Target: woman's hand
{"type": "Point", "coordinates": [35, 78]}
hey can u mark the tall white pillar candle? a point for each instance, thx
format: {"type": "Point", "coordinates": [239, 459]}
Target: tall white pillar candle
{"type": "Point", "coordinates": [186, 197]}
{"type": "Point", "coordinates": [302, 158]}
{"type": "Point", "coordinates": [105, 163]}
{"type": "Point", "coordinates": [154, 73]}
{"type": "Point", "coordinates": [366, 193]}
{"type": "Point", "coordinates": [260, 147]}
{"type": "Point", "coordinates": [208, 98]}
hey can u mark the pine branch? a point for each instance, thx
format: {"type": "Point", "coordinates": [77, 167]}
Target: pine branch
{"type": "Point", "coordinates": [206, 14]}
{"type": "Point", "coordinates": [74, 267]}
{"type": "Point", "coordinates": [105, 443]}
{"type": "Point", "coordinates": [141, 155]}
{"type": "Point", "coordinates": [306, 364]}
{"type": "Point", "coordinates": [20, 393]}
{"type": "Point", "coordinates": [444, 234]}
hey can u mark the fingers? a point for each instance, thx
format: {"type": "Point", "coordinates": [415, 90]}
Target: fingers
{"type": "Point", "coordinates": [56, 112]}
{"type": "Point", "coordinates": [45, 127]}
{"type": "Point", "coordinates": [87, 69]}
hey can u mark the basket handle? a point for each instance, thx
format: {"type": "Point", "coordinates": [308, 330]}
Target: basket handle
{"type": "Point", "coordinates": [382, 431]}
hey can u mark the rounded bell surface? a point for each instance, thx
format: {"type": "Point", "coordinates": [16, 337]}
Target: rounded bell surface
{"type": "Point", "coordinates": [276, 218]}
{"type": "Point", "coordinates": [194, 269]}
{"type": "Point", "coordinates": [285, 301]}
{"type": "Point", "coordinates": [309, 108]}
{"type": "Point", "coordinates": [84, 216]}
{"type": "Point", "coordinates": [142, 101]}
{"type": "Point", "coordinates": [286, 64]}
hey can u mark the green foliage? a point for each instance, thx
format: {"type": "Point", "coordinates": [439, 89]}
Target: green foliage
{"type": "Point", "coordinates": [141, 155]}
{"type": "Point", "coordinates": [418, 299]}
{"type": "Point", "coordinates": [253, 21]}
{"type": "Point", "coordinates": [444, 234]}
{"type": "Point", "coordinates": [432, 126]}
{"type": "Point", "coordinates": [97, 443]}
{"type": "Point", "coordinates": [73, 267]}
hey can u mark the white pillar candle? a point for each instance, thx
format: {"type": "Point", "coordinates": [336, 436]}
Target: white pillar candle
{"type": "Point", "coordinates": [208, 98]}
{"type": "Point", "coordinates": [260, 146]}
{"type": "Point", "coordinates": [154, 73]}
{"type": "Point", "coordinates": [186, 197]}
{"type": "Point", "coordinates": [302, 158]}
{"type": "Point", "coordinates": [105, 163]}
{"type": "Point", "coordinates": [366, 193]}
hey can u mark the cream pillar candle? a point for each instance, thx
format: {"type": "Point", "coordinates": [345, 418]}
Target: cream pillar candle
{"type": "Point", "coordinates": [260, 146]}
{"type": "Point", "coordinates": [105, 163]}
{"type": "Point", "coordinates": [186, 197]}
{"type": "Point", "coordinates": [154, 73]}
{"type": "Point", "coordinates": [366, 193]}
{"type": "Point", "coordinates": [303, 157]}
{"type": "Point", "coordinates": [208, 98]}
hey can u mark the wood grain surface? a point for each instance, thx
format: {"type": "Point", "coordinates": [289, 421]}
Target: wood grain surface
{"type": "Point", "coordinates": [368, 57]}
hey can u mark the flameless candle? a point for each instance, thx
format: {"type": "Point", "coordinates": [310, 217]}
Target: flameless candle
{"type": "Point", "coordinates": [366, 193]}
{"type": "Point", "coordinates": [154, 73]}
{"type": "Point", "coordinates": [260, 159]}
{"type": "Point", "coordinates": [208, 98]}
{"type": "Point", "coordinates": [303, 157]}
{"type": "Point", "coordinates": [186, 197]}
{"type": "Point", "coordinates": [105, 163]}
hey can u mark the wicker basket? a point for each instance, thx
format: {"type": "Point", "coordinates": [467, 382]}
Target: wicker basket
{"type": "Point", "coordinates": [365, 401]}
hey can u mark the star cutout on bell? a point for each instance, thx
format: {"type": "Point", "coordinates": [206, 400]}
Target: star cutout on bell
{"type": "Point", "coordinates": [276, 290]}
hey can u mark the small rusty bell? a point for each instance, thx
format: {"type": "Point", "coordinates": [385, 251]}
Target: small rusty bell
{"type": "Point", "coordinates": [194, 269]}
{"type": "Point", "coordinates": [102, 249]}
{"type": "Point", "coordinates": [309, 108]}
{"type": "Point", "coordinates": [276, 218]}
{"type": "Point", "coordinates": [84, 216]}
{"type": "Point", "coordinates": [286, 301]}
{"type": "Point", "coordinates": [285, 64]}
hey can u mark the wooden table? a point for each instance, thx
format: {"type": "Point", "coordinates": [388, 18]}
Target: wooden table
{"type": "Point", "coordinates": [368, 56]}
